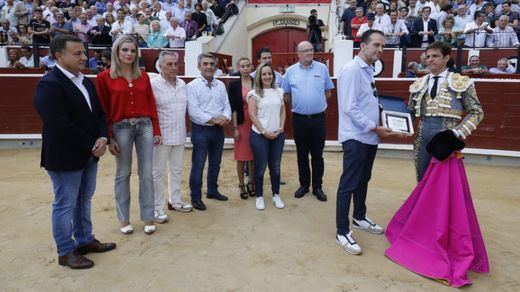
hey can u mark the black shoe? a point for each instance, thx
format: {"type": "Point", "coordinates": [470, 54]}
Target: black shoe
{"type": "Point", "coordinates": [282, 182]}
{"type": "Point", "coordinates": [198, 204]}
{"type": "Point", "coordinates": [320, 194]}
{"type": "Point", "coordinates": [96, 246]}
{"type": "Point", "coordinates": [218, 196]}
{"type": "Point", "coordinates": [301, 192]}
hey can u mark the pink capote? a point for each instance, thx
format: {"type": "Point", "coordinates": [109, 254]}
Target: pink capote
{"type": "Point", "coordinates": [435, 233]}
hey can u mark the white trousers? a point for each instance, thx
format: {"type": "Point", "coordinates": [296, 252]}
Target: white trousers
{"type": "Point", "coordinates": [171, 156]}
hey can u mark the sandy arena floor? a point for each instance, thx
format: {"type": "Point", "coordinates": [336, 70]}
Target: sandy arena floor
{"type": "Point", "coordinates": [232, 246]}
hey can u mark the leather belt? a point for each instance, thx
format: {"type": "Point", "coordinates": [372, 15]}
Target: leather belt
{"type": "Point", "coordinates": [313, 116]}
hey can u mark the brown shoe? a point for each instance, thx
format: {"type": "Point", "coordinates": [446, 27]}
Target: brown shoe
{"type": "Point", "coordinates": [96, 246]}
{"type": "Point", "coordinates": [75, 260]}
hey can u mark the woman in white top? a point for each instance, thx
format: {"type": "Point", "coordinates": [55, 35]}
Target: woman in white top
{"type": "Point", "coordinates": [267, 112]}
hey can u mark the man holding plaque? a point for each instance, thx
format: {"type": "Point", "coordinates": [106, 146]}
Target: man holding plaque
{"type": "Point", "coordinates": [440, 100]}
{"type": "Point", "coordinates": [358, 132]}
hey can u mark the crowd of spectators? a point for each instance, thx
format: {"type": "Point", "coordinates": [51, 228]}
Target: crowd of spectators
{"type": "Point", "coordinates": [154, 23]}
{"type": "Point", "coordinates": [417, 23]}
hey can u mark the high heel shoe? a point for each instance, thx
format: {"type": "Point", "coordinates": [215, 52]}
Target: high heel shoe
{"type": "Point", "coordinates": [243, 192]}
{"type": "Point", "coordinates": [251, 189]}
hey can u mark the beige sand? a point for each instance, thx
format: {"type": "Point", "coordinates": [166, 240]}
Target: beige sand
{"type": "Point", "coordinates": [233, 247]}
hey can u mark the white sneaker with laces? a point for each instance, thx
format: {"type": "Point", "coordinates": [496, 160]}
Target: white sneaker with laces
{"type": "Point", "coordinates": [182, 207]}
{"type": "Point", "coordinates": [260, 205]}
{"type": "Point", "coordinates": [348, 243]}
{"type": "Point", "coordinates": [277, 201]}
{"type": "Point", "coordinates": [160, 217]}
{"type": "Point", "coordinates": [368, 225]}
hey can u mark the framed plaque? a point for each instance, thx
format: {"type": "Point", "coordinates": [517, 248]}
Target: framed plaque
{"type": "Point", "coordinates": [397, 121]}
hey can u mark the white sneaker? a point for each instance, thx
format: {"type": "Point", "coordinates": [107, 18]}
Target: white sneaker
{"type": "Point", "coordinates": [149, 229]}
{"type": "Point", "coordinates": [160, 217]}
{"type": "Point", "coordinates": [367, 225]}
{"type": "Point", "coordinates": [277, 201]}
{"type": "Point", "coordinates": [181, 206]}
{"type": "Point", "coordinates": [348, 243]}
{"type": "Point", "coordinates": [260, 205]}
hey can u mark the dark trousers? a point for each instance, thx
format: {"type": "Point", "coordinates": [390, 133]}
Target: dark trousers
{"type": "Point", "coordinates": [207, 142]}
{"type": "Point", "coordinates": [267, 153]}
{"type": "Point", "coordinates": [309, 136]}
{"type": "Point", "coordinates": [358, 159]}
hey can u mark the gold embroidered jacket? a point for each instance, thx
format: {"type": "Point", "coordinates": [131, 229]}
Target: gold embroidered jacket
{"type": "Point", "coordinates": [457, 100]}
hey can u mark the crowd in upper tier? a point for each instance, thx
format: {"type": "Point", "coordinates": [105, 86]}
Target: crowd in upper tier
{"type": "Point", "coordinates": [156, 24]}
{"type": "Point", "coordinates": [417, 23]}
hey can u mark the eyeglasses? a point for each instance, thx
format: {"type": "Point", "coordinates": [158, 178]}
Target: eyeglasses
{"type": "Point", "coordinates": [306, 51]}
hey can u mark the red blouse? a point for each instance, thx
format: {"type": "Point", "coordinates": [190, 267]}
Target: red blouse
{"type": "Point", "coordinates": [122, 100]}
{"type": "Point", "coordinates": [356, 20]}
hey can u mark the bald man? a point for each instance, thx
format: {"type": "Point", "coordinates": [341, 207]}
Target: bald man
{"type": "Point", "coordinates": [306, 87]}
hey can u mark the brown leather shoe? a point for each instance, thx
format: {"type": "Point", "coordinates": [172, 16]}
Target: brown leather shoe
{"type": "Point", "coordinates": [96, 246]}
{"type": "Point", "coordinates": [75, 260]}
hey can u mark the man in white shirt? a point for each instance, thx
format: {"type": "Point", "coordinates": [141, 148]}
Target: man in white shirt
{"type": "Point", "coordinates": [209, 110]}
{"type": "Point", "coordinates": [110, 10]}
{"type": "Point", "coordinates": [121, 26]}
{"type": "Point", "coordinates": [369, 25]}
{"type": "Point", "coordinates": [179, 11]}
{"type": "Point", "coordinates": [176, 34]}
{"type": "Point", "coordinates": [165, 23]}
{"type": "Point", "coordinates": [503, 35]}
{"type": "Point", "coordinates": [8, 13]}
{"type": "Point", "coordinates": [382, 19]}
{"type": "Point", "coordinates": [476, 6]}
{"type": "Point", "coordinates": [502, 67]}
{"type": "Point", "coordinates": [435, 9]}
{"type": "Point", "coordinates": [477, 31]}
{"type": "Point", "coordinates": [462, 17]}
{"type": "Point", "coordinates": [395, 30]}
{"type": "Point", "coordinates": [27, 59]}
{"type": "Point", "coordinates": [171, 101]}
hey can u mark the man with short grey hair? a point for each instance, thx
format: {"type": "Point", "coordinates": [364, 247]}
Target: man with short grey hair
{"type": "Point", "coordinates": [171, 101]}
{"type": "Point", "coordinates": [503, 35]}
{"type": "Point", "coordinates": [209, 110]}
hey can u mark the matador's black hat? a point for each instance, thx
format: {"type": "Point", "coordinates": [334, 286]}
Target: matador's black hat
{"type": "Point", "coordinates": [444, 144]}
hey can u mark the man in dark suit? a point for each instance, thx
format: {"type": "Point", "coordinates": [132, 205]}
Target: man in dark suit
{"type": "Point", "coordinates": [424, 29]}
{"type": "Point", "coordinates": [74, 137]}
{"type": "Point", "coordinates": [100, 34]}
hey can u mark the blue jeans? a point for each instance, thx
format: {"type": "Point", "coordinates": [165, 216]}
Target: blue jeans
{"type": "Point", "coordinates": [358, 159]}
{"type": "Point", "coordinates": [208, 141]}
{"type": "Point", "coordinates": [126, 134]}
{"type": "Point", "coordinates": [267, 153]}
{"type": "Point", "coordinates": [73, 191]}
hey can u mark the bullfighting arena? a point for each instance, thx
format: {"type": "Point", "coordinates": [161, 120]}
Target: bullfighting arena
{"type": "Point", "coordinates": [234, 247]}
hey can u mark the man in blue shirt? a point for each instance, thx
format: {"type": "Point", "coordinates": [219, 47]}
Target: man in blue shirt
{"type": "Point", "coordinates": [307, 86]}
{"type": "Point", "coordinates": [209, 110]}
{"type": "Point", "coordinates": [359, 133]}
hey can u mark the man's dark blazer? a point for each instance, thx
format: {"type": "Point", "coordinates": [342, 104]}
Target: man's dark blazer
{"type": "Point", "coordinates": [104, 38]}
{"type": "Point", "coordinates": [70, 128]}
{"type": "Point", "coordinates": [418, 26]}
{"type": "Point", "coordinates": [235, 99]}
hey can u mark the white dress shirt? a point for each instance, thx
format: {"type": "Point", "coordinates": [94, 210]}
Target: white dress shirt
{"type": "Point", "coordinates": [382, 21]}
{"type": "Point", "coordinates": [431, 80]}
{"type": "Point", "coordinates": [176, 36]}
{"type": "Point", "coordinates": [476, 38]}
{"type": "Point", "coordinates": [78, 81]}
{"type": "Point", "coordinates": [393, 28]}
{"type": "Point", "coordinates": [171, 102]}
{"type": "Point", "coordinates": [125, 27]}
{"type": "Point", "coordinates": [207, 100]}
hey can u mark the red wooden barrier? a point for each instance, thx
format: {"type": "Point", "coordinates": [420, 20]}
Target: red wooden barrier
{"type": "Point", "coordinates": [500, 128]}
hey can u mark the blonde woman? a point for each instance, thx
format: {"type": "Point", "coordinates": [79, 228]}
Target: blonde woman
{"type": "Point", "coordinates": [267, 112]}
{"type": "Point", "coordinates": [126, 95]}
